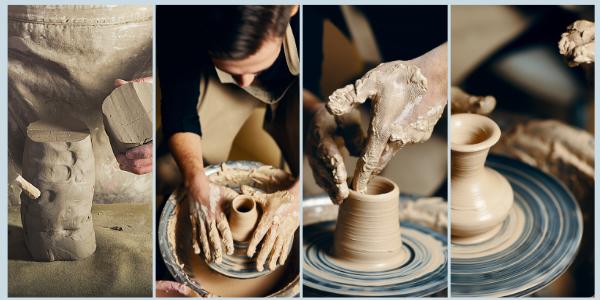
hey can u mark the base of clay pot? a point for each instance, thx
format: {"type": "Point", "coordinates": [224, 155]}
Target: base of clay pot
{"type": "Point", "coordinates": [389, 264]}
{"type": "Point", "coordinates": [475, 239]}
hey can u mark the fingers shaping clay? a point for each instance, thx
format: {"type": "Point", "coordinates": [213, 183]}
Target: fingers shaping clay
{"type": "Point", "coordinates": [578, 43]}
{"type": "Point", "coordinates": [481, 197]}
{"type": "Point", "coordinates": [466, 103]}
{"type": "Point", "coordinates": [367, 234]}
{"type": "Point", "coordinates": [127, 114]}
{"type": "Point", "coordinates": [58, 159]}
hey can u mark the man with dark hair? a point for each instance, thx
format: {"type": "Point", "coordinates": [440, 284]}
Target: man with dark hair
{"type": "Point", "coordinates": [216, 64]}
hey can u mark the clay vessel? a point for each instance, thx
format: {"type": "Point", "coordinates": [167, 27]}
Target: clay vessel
{"type": "Point", "coordinates": [59, 160]}
{"type": "Point", "coordinates": [243, 218]}
{"type": "Point", "coordinates": [367, 234]}
{"type": "Point", "coordinates": [481, 197]}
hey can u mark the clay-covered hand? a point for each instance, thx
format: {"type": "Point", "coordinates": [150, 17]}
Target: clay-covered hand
{"type": "Point", "coordinates": [173, 289]}
{"type": "Point", "coordinates": [324, 154]}
{"type": "Point", "coordinates": [276, 227]}
{"type": "Point", "coordinates": [136, 160]}
{"type": "Point", "coordinates": [210, 229]}
{"type": "Point", "coordinates": [578, 43]}
{"type": "Point", "coordinates": [408, 98]}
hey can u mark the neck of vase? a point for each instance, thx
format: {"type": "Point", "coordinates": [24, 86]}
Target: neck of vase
{"type": "Point", "coordinates": [243, 217]}
{"type": "Point", "coordinates": [468, 164]}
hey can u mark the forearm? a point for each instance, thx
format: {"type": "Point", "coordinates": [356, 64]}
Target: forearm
{"type": "Point", "coordinates": [186, 148]}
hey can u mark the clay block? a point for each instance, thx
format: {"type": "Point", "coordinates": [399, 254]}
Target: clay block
{"type": "Point", "coordinates": [59, 160]}
{"type": "Point", "coordinates": [127, 114]}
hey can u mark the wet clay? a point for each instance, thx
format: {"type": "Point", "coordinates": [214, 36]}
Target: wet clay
{"type": "Point", "coordinates": [367, 234]}
{"type": "Point", "coordinates": [463, 102]}
{"type": "Point", "coordinates": [243, 217]}
{"type": "Point", "coordinates": [396, 89]}
{"type": "Point", "coordinates": [481, 197]}
{"type": "Point", "coordinates": [265, 178]}
{"type": "Point", "coordinates": [578, 43]}
{"type": "Point", "coordinates": [216, 284]}
{"type": "Point", "coordinates": [557, 148]}
{"type": "Point", "coordinates": [127, 115]}
{"type": "Point", "coordinates": [59, 160]}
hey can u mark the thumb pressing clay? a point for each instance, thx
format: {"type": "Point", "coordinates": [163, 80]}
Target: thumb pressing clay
{"type": "Point", "coordinates": [127, 114]}
{"type": "Point", "coordinates": [58, 159]}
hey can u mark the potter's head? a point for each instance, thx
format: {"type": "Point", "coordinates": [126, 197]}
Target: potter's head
{"type": "Point", "coordinates": [244, 40]}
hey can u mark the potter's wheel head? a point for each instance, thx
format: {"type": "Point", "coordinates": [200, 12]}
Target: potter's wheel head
{"type": "Point", "coordinates": [239, 265]}
{"type": "Point", "coordinates": [423, 273]}
{"type": "Point", "coordinates": [535, 244]}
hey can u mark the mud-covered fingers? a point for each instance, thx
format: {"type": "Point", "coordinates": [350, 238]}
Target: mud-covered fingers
{"type": "Point", "coordinates": [391, 148]}
{"type": "Point", "coordinates": [343, 100]}
{"type": "Point", "coordinates": [204, 238]}
{"type": "Point", "coordinates": [266, 247]}
{"type": "Point", "coordinates": [215, 241]}
{"type": "Point", "coordinates": [194, 224]}
{"type": "Point", "coordinates": [276, 252]}
{"type": "Point", "coordinates": [329, 163]}
{"type": "Point", "coordinates": [284, 251]}
{"type": "Point", "coordinates": [365, 166]}
{"type": "Point", "coordinates": [259, 233]}
{"type": "Point", "coordinates": [225, 231]}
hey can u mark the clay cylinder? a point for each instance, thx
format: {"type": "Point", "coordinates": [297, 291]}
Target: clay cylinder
{"type": "Point", "coordinates": [243, 217]}
{"type": "Point", "coordinates": [367, 235]}
{"type": "Point", "coordinates": [481, 197]}
{"type": "Point", "coordinates": [58, 159]}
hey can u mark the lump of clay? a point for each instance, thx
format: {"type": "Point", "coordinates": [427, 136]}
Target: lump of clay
{"type": "Point", "coordinates": [466, 103]}
{"type": "Point", "coordinates": [127, 113]}
{"type": "Point", "coordinates": [58, 159]}
{"type": "Point", "coordinates": [578, 43]}
{"type": "Point", "coordinates": [556, 148]}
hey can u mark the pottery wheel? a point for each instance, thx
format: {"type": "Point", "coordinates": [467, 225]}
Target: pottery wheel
{"type": "Point", "coordinates": [238, 265]}
{"type": "Point", "coordinates": [536, 243]}
{"type": "Point", "coordinates": [424, 272]}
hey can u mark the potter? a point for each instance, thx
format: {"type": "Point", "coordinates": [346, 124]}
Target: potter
{"type": "Point", "coordinates": [481, 197]}
{"type": "Point", "coordinates": [59, 160]}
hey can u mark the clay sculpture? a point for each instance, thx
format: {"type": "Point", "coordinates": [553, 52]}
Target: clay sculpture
{"type": "Point", "coordinates": [127, 114]}
{"type": "Point", "coordinates": [481, 197]}
{"type": "Point", "coordinates": [58, 159]}
{"type": "Point", "coordinates": [578, 44]}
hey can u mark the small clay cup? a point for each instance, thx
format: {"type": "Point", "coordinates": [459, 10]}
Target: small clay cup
{"type": "Point", "coordinates": [243, 218]}
{"type": "Point", "coordinates": [481, 197]}
{"type": "Point", "coordinates": [367, 234]}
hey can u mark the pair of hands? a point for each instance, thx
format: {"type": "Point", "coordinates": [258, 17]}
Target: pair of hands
{"type": "Point", "coordinates": [136, 160]}
{"type": "Point", "coordinates": [408, 98]}
{"type": "Point", "coordinates": [210, 228]}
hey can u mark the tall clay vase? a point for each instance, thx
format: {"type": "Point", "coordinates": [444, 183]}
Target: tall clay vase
{"type": "Point", "coordinates": [481, 197]}
{"type": "Point", "coordinates": [243, 218]}
{"type": "Point", "coordinates": [367, 234]}
{"type": "Point", "coordinates": [59, 160]}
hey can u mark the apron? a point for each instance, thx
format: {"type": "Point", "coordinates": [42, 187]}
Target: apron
{"type": "Point", "coordinates": [63, 60]}
{"type": "Point", "coordinates": [224, 107]}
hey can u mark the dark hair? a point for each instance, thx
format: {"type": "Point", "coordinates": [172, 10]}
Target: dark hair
{"type": "Point", "coordinates": [237, 31]}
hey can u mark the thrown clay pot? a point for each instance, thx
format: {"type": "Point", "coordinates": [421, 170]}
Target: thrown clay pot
{"type": "Point", "coordinates": [367, 235]}
{"type": "Point", "coordinates": [481, 197]}
{"type": "Point", "coordinates": [243, 217]}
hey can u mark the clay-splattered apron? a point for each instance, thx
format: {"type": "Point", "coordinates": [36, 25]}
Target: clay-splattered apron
{"type": "Point", "coordinates": [224, 107]}
{"type": "Point", "coordinates": [63, 60]}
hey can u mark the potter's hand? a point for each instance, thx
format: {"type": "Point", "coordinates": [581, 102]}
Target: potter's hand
{"type": "Point", "coordinates": [136, 160]}
{"type": "Point", "coordinates": [276, 227]}
{"type": "Point", "coordinates": [408, 98]}
{"type": "Point", "coordinates": [172, 289]}
{"type": "Point", "coordinates": [210, 228]}
{"type": "Point", "coordinates": [325, 157]}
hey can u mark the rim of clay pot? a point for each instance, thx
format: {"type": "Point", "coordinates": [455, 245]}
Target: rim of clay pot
{"type": "Point", "coordinates": [243, 204]}
{"type": "Point", "coordinates": [486, 133]}
{"type": "Point", "coordinates": [390, 188]}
